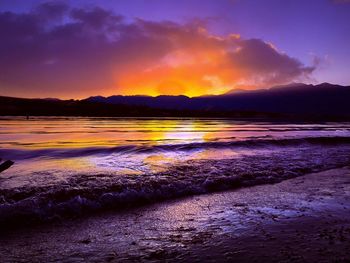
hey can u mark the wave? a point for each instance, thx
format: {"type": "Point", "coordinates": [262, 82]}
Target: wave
{"type": "Point", "coordinates": [86, 193]}
{"type": "Point", "coordinates": [20, 154]}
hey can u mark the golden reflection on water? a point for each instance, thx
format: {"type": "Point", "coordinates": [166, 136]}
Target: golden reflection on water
{"type": "Point", "coordinates": [192, 131]}
{"type": "Point", "coordinates": [47, 133]}
{"type": "Point", "coordinates": [58, 135]}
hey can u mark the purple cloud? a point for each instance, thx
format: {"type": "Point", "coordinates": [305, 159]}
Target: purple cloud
{"type": "Point", "coordinates": [77, 52]}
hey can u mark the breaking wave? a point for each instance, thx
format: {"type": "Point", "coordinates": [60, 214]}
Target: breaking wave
{"type": "Point", "coordinates": [86, 193]}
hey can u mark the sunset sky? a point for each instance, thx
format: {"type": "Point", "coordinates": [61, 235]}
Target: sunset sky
{"type": "Point", "coordinates": [76, 49]}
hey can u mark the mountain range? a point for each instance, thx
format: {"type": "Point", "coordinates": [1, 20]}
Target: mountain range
{"type": "Point", "coordinates": [296, 100]}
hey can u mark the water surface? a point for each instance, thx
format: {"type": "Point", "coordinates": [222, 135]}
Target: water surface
{"type": "Point", "coordinates": [63, 162]}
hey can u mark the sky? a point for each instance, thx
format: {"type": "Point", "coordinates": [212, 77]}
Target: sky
{"type": "Point", "coordinates": [76, 49]}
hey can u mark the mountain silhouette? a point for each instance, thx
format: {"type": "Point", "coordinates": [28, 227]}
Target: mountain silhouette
{"type": "Point", "coordinates": [296, 100]}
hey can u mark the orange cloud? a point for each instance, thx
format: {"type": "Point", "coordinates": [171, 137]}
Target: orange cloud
{"type": "Point", "coordinates": [97, 52]}
{"type": "Point", "coordinates": [200, 63]}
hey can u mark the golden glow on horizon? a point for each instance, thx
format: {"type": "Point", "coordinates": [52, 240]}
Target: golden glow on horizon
{"type": "Point", "coordinates": [139, 57]}
{"type": "Point", "coordinates": [61, 133]}
{"type": "Point", "coordinates": [191, 72]}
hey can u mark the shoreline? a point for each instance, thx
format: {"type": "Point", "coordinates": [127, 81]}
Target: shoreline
{"type": "Point", "coordinates": [47, 193]}
{"type": "Point", "coordinates": [301, 219]}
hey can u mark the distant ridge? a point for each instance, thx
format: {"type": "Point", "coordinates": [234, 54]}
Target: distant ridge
{"type": "Point", "coordinates": [296, 100]}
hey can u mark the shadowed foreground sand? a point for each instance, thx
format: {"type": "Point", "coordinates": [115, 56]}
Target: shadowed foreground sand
{"type": "Point", "coordinates": [305, 219]}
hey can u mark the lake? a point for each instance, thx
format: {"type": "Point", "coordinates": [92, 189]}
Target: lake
{"type": "Point", "coordinates": [62, 163]}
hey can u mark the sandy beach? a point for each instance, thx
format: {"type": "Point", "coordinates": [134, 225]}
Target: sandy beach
{"type": "Point", "coordinates": [305, 219]}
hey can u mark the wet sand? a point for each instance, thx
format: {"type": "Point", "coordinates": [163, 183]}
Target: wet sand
{"type": "Point", "coordinates": [305, 219]}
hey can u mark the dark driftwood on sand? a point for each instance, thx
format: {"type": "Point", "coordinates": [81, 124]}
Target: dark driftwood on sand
{"type": "Point", "coordinates": [5, 165]}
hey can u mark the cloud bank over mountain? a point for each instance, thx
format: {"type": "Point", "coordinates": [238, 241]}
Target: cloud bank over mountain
{"type": "Point", "coordinates": [59, 50]}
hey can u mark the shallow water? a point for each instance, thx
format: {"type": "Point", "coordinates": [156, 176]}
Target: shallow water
{"type": "Point", "coordinates": [63, 165]}
{"type": "Point", "coordinates": [137, 145]}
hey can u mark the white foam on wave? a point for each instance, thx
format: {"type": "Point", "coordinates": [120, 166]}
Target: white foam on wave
{"type": "Point", "coordinates": [82, 193]}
